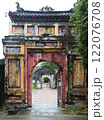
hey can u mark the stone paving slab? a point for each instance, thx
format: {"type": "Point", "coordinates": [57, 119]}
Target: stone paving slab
{"type": "Point", "coordinates": [44, 96]}
{"type": "Point", "coordinates": [45, 105]}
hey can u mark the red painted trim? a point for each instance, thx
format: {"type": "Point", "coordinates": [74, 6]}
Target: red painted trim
{"type": "Point", "coordinates": [33, 60]}
{"type": "Point", "coordinates": [25, 75]}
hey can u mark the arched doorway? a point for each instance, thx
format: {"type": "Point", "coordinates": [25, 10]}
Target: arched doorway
{"type": "Point", "coordinates": [32, 59]}
{"type": "Point", "coordinates": [46, 81]}
{"type": "Point", "coordinates": [44, 78]}
{"type": "Point", "coordinates": [44, 72]}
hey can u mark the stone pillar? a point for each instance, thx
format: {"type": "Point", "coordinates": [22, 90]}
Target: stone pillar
{"type": "Point", "coordinates": [25, 29]}
{"type": "Point", "coordinates": [29, 80]}
{"type": "Point", "coordinates": [25, 75]}
{"type": "Point", "coordinates": [56, 29]}
{"type": "Point", "coordinates": [52, 81]}
{"type": "Point", "coordinates": [36, 30]}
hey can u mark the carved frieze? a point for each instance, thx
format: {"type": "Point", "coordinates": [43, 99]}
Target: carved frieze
{"type": "Point", "coordinates": [10, 49]}
{"type": "Point", "coordinates": [46, 44]}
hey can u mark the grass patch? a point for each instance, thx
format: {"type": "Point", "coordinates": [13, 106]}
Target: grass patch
{"type": "Point", "coordinates": [33, 89]}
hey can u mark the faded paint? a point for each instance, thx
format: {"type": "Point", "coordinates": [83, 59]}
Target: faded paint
{"type": "Point", "coordinates": [26, 44]}
{"type": "Point", "coordinates": [57, 58]}
{"type": "Point", "coordinates": [14, 73]}
{"type": "Point", "coordinates": [56, 29]}
{"type": "Point", "coordinates": [24, 28]}
{"type": "Point", "coordinates": [77, 82]}
{"type": "Point", "coordinates": [78, 73]}
{"type": "Point", "coordinates": [17, 29]}
{"type": "Point", "coordinates": [73, 30]}
{"type": "Point", "coordinates": [10, 89]}
{"type": "Point", "coordinates": [14, 52]}
{"type": "Point", "coordinates": [25, 75]}
{"type": "Point", "coordinates": [30, 30]}
{"type": "Point", "coordinates": [41, 44]}
{"type": "Point", "coordinates": [61, 30]}
{"type": "Point", "coordinates": [48, 29]}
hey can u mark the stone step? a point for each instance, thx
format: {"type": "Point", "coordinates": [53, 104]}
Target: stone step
{"type": "Point", "coordinates": [13, 111]}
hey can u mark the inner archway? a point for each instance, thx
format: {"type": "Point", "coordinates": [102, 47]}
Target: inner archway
{"type": "Point", "coordinates": [44, 83]}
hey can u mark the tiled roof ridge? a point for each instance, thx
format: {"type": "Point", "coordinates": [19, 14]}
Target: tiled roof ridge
{"type": "Point", "coordinates": [40, 16]}
{"type": "Point", "coordinates": [43, 12]}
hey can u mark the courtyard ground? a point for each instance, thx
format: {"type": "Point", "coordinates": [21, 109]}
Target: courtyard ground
{"type": "Point", "coordinates": [44, 107]}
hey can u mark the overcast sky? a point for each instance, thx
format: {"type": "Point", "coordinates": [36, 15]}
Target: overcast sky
{"type": "Point", "coordinates": [34, 5]}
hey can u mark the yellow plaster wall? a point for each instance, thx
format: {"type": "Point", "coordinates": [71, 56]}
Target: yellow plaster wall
{"type": "Point", "coordinates": [22, 72]}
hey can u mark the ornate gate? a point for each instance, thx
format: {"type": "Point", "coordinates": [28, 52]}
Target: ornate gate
{"type": "Point", "coordinates": [34, 36]}
{"type": "Point", "coordinates": [33, 59]}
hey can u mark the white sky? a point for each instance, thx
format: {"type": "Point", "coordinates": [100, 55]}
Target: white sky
{"type": "Point", "coordinates": [34, 5]}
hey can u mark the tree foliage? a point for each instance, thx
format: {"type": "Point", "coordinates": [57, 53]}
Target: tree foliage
{"type": "Point", "coordinates": [46, 79]}
{"type": "Point", "coordinates": [49, 64]}
{"type": "Point", "coordinates": [45, 63]}
{"type": "Point", "coordinates": [80, 19]}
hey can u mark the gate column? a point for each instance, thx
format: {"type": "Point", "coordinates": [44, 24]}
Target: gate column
{"type": "Point", "coordinates": [25, 74]}
{"type": "Point", "coordinates": [63, 89]}
{"type": "Point", "coordinates": [29, 79]}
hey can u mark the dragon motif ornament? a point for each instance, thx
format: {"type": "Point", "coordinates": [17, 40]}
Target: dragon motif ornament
{"type": "Point", "coordinates": [19, 9]}
{"type": "Point", "coordinates": [46, 9]}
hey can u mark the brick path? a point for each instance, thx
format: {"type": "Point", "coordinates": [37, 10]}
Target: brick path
{"type": "Point", "coordinates": [44, 96]}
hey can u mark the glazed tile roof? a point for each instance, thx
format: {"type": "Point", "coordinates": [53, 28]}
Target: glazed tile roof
{"type": "Point", "coordinates": [41, 13]}
{"type": "Point", "coordinates": [40, 16]}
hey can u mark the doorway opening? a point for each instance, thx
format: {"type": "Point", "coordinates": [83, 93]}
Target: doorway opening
{"type": "Point", "coordinates": [44, 83]}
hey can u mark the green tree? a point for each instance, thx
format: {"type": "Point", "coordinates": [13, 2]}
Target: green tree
{"type": "Point", "coordinates": [49, 64]}
{"type": "Point", "coordinates": [80, 19]}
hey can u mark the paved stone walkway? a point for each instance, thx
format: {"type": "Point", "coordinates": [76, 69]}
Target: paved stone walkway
{"type": "Point", "coordinates": [44, 96]}
{"type": "Point", "coordinates": [44, 107]}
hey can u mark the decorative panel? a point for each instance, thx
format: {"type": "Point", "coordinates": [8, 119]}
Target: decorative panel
{"type": "Point", "coordinates": [48, 29]}
{"type": "Point", "coordinates": [78, 74]}
{"type": "Point", "coordinates": [41, 30]}
{"type": "Point", "coordinates": [51, 30]}
{"type": "Point", "coordinates": [14, 73]}
{"type": "Point", "coordinates": [30, 30]}
{"type": "Point", "coordinates": [18, 29]}
{"type": "Point", "coordinates": [72, 30]}
{"type": "Point", "coordinates": [46, 44]}
{"type": "Point", "coordinates": [61, 30]}
{"type": "Point", "coordinates": [60, 44]}
{"type": "Point", "coordinates": [29, 44]}
{"type": "Point", "coordinates": [13, 49]}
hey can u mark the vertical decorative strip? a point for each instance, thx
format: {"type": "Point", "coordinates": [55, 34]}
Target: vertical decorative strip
{"type": "Point", "coordinates": [56, 29]}
{"type": "Point", "coordinates": [25, 29]}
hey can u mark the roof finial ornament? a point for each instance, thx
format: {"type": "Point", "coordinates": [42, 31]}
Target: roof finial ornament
{"type": "Point", "coordinates": [19, 9]}
{"type": "Point", "coordinates": [46, 9]}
